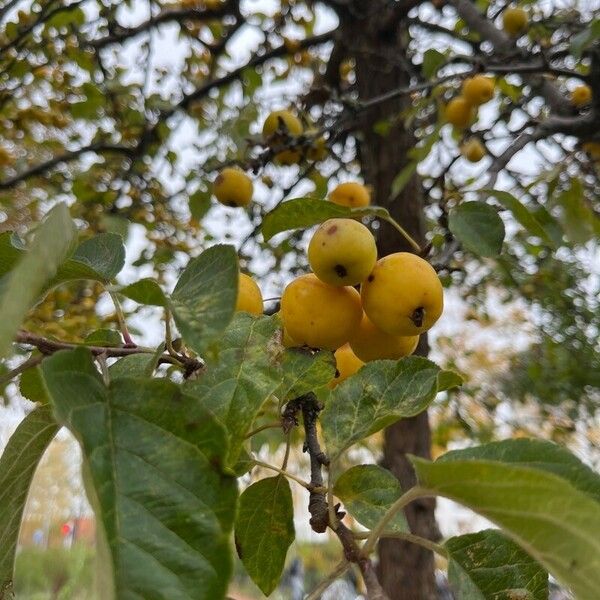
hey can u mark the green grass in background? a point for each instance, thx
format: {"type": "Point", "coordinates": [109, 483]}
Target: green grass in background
{"type": "Point", "coordinates": [55, 574]}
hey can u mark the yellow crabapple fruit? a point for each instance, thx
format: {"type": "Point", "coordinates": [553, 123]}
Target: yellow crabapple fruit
{"type": "Point", "coordinates": [342, 252]}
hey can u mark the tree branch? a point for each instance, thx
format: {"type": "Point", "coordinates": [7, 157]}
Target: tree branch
{"type": "Point", "coordinates": [504, 46]}
{"type": "Point", "coordinates": [121, 34]}
{"type": "Point", "coordinates": [317, 504]}
{"type": "Point", "coordinates": [48, 347]}
{"type": "Point", "coordinates": [67, 157]}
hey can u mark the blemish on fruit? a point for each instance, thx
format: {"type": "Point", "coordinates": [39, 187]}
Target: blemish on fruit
{"type": "Point", "coordinates": [331, 230]}
{"type": "Point", "coordinates": [371, 278]}
{"type": "Point", "coordinates": [418, 316]}
{"type": "Point", "coordinates": [340, 270]}
{"type": "Point", "coordinates": [219, 179]}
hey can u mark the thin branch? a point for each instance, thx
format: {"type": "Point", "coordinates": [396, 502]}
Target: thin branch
{"type": "Point", "coordinates": [32, 361]}
{"type": "Point", "coordinates": [417, 539]}
{"type": "Point", "coordinates": [285, 473]}
{"type": "Point", "coordinates": [406, 498]}
{"type": "Point", "coordinates": [504, 46]}
{"type": "Point", "coordinates": [48, 347]}
{"type": "Point", "coordinates": [121, 34]}
{"type": "Point", "coordinates": [258, 60]}
{"type": "Point", "coordinates": [262, 428]}
{"type": "Point", "coordinates": [67, 157]}
{"type": "Point", "coordinates": [516, 146]}
{"type": "Point", "coordinates": [341, 568]}
{"type": "Point", "coordinates": [318, 505]}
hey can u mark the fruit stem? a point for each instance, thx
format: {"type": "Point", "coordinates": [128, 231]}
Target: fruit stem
{"type": "Point", "coordinates": [262, 428]}
{"type": "Point", "coordinates": [341, 568]}
{"type": "Point", "coordinates": [409, 537]}
{"type": "Point", "coordinates": [169, 335]}
{"type": "Point", "coordinates": [378, 531]}
{"type": "Point", "coordinates": [121, 320]}
{"type": "Point", "coordinates": [403, 231]}
{"type": "Point", "coordinates": [285, 473]}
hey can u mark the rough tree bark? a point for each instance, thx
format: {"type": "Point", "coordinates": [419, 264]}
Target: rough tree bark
{"type": "Point", "coordinates": [377, 44]}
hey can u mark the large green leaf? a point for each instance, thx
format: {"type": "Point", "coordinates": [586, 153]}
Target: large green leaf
{"type": "Point", "coordinates": [367, 492]}
{"type": "Point", "coordinates": [264, 530]}
{"type": "Point", "coordinates": [145, 291]}
{"type": "Point", "coordinates": [17, 467]}
{"type": "Point", "coordinates": [489, 566]}
{"type": "Point", "coordinates": [203, 301]}
{"type": "Point", "coordinates": [304, 371]}
{"type": "Point", "coordinates": [538, 454]}
{"type": "Point", "coordinates": [101, 258]}
{"type": "Point", "coordinates": [552, 520]}
{"type": "Point", "coordinates": [379, 394]}
{"type": "Point", "coordinates": [478, 227]}
{"type": "Point", "coordinates": [300, 213]}
{"type": "Point", "coordinates": [246, 373]}
{"type": "Point", "coordinates": [521, 213]}
{"type": "Point", "coordinates": [50, 247]}
{"type": "Point", "coordinates": [154, 458]}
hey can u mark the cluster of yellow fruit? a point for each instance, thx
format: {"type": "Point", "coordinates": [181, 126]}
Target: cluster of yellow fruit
{"type": "Point", "coordinates": [400, 297]}
{"type": "Point", "coordinates": [233, 187]}
{"type": "Point", "coordinates": [462, 112]}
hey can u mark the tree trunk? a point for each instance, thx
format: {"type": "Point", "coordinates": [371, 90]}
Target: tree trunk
{"type": "Point", "coordinates": [406, 571]}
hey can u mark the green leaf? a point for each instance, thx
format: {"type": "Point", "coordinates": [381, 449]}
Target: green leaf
{"type": "Point", "coordinates": [585, 38]}
{"type": "Point", "coordinates": [264, 530]}
{"type": "Point", "coordinates": [401, 180]}
{"type": "Point", "coordinates": [578, 219]}
{"type": "Point", "coordinates": [379, 394]}
{"type": "Point", "coordinates": [203, 301]}
{"type": "Point", "coordinates": [432, 61]}
{"type": "Point", "coordinates": [489, 566]}
{"type": "Point", "coordinates": [144, 291]}
{"type": "Point", "coordinates": [304, 371]}
{"type": "Point", "coordinates": [538, 454]}
{"type": "Point", "coordinates": [299, 214]}
{"type": "Point", "coordinates": [135, 365]}
{"type": "Point", "coordinates": [101, 258]}
{"type": "Point", "coordinates": [104, 337]}
{"type": "Point", "coordinates": [67, 16]}
{"type": "Point", "coordinates": [416, 154]}
{"type": "Point", "coordinates": [115, 224]}
{"type": "Point", "coordinates": [367, 492]}
{"type": "Point", "coordinates": [552, 520]}
{"type": "Point", "coordinates": [52, 242]}
{"type": "Point", "coordinates": [521, 214]}
{"type": "Point", "coordinates": [10, 252]}
{"type": "Point", "coordinates": [17, 467]}
{"type": "Point", "coordinates": [154, 457]}
{"type": "Point", "coordinates": [246, 373]}
{"type": "Point", "coordinates": [200, 203]}
{"type": "Point", "coordinates": [478, 227]}
{"type": "Point", "coordinates": [31, 385]}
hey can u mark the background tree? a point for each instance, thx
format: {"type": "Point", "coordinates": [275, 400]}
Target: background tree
{"type": "Point", "coordinates": [128, 110]}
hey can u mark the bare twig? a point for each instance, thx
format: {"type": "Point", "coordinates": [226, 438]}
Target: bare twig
{"type": "Point", "coordinates": [48, 347]}
{"type": "Point", "coordinates": [318, 505]}
{"type": "Point", "coordinates": [32, 361]}
{"type": "Point", "coordinates": [341, 568]}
